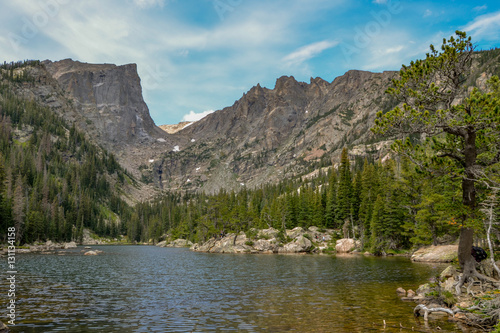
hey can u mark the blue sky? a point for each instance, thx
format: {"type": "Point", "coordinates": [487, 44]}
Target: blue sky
{"type": "Point", "coordinates": [195, 56]}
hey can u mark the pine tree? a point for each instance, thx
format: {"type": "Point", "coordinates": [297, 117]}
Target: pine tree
{"type": "Point", "coordinates": [343, 213]}
{"type": "Point", "coordinates": [368, 196]}
{"type": "Point", "coordinates": [19, 209]}
{"type": "Point", "coordinates": [376, 225]}
{"type": "Point", "coordinates": [331, 200]}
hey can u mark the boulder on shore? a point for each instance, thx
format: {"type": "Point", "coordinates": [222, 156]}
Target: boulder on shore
{"type": "Point", "coordinates": [440, 253]}
{"type": "Point", "coordinates": [70, 245]}
{"type": "Point", "coordinates": [299, 245]}
{"type": "Point", "coordinates": [346, 245]}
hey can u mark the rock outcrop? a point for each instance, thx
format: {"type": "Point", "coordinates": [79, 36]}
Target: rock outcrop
{"type": "Point", "coordinates": [440, 253]}
{"type": "Point", "coordinates": [176, 243]}
{"type": "Point", "coordinates": [270, 240]}
{"type": "Point", "coordinates": [47, 247]}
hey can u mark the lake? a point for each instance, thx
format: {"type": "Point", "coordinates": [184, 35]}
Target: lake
{"type": "Point", "coordinates": [151, 289]}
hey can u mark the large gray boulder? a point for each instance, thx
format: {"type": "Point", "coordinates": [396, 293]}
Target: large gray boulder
{"type": "Point", "coordinates": [440, 253]}
{"type": "Point", "coordinates": [265, 246]}
{"type": "Point", "coordinates": [346, 245]}
{"type": "Point", "coordinates": [301, 244]}
{"type": "Point", "coordinates": [70, 245]}
{"type": "Point", "coordinates": [162, 244]}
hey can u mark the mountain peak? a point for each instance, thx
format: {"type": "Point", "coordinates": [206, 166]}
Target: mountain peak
{"type": "Point", "coordinates": [319, 81]}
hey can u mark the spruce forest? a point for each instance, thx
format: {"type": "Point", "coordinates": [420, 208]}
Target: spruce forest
{"type": "Point", "coordinates": [54, 183]}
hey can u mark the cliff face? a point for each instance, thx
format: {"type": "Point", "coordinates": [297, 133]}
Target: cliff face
{"type": "Point", "coordinates": [109, 99]}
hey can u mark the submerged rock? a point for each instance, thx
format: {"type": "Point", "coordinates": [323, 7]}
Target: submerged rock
{"type": "Point", "coordinates": [92, 253]}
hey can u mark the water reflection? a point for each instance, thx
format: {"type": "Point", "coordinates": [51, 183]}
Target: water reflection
{"type": "Point", "coordinates": [149, 289]}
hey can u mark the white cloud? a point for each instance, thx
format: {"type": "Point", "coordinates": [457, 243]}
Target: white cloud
{"type": "Point", "coordinates": [380, 2]}
{"type": "Point", "coordinates": [192, 116]}
{"type": "Point", "coordinates": [427, 13]}
{"type": "Point", "coordinates": [149, 3]}
{"type": "Point", "coordinates": [307, 52]}
{"type": "Point", "coordinates": [394, 49]}
{"type": "Point", "coordinates": [485, 26]}
{"type": "Point", "coordinates": [480, 8]}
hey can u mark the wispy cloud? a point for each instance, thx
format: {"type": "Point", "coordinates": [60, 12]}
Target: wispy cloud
{"type": "Point", "coordinates": [480, 8]}
{"type": "Point", "coordinates": [427, 13]}
{"type": "Point", "coordinates": [307, 52]}
{"type": "Point", "coordinates": [485, 26]}
{"type": "Point", "coordinates": [190, 59]}
{"type": "Point", "coordinates": [149, 3]}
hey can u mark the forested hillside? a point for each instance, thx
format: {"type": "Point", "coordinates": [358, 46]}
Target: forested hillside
{"type": "Point", "coordinates": [53, 181]}
{"type": "Point", "coordinates": [389, 206]}
{"type": "Point", "coordinates": [444, 181]}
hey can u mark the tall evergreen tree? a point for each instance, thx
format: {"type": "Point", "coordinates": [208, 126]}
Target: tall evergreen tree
{"type": "Point", "coordinates": [344, 191]}
{"type": "Point", "coordinates": [464, 135]}
{"type": "Point", "coordinates": [331, 200]}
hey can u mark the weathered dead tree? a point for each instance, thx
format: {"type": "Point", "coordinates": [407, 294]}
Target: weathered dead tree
{"type": "Point", "coordinates": [422, 308]}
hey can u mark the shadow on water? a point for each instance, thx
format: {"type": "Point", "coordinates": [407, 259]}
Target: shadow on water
{"type": "Point", "coordinates": [150, 289]}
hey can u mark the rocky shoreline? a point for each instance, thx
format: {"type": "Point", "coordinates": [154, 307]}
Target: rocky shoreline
{"type": "Point", "coordinates": [50, 248]}
{"type": "Point", "coordinates": [476, 305]}
{"type": "Point", "coordinates": [267, 241]}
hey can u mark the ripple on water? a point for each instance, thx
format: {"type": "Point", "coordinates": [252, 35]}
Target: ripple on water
{"type": "Point", "coordinates": [149, 289]}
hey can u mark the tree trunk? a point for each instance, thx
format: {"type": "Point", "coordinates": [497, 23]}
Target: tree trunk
{"type": "Point", "coordinates": [465, 246]}
{"type": "Point", "coordinates": [465, 259]}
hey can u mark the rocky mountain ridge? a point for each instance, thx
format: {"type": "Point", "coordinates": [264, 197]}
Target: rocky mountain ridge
{"type": "Point", "coordinates": [292, 130]}
{"type": "Point", "coordinates": [273, 133]}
